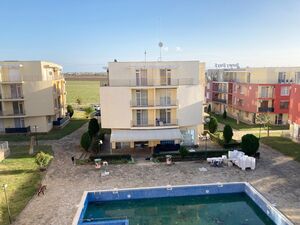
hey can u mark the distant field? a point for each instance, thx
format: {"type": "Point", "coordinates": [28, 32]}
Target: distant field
{"type": "Point", "coordinates": [87, 91]}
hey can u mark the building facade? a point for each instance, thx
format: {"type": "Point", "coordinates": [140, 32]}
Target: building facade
{"type": "Point", "coordinates": [245, 93]}
{"type": "Point", "coordinates": [150, 103]}
{"type": "Point", "coordinates": [32, 96]}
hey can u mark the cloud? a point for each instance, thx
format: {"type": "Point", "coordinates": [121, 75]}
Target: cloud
{"type": "Point", "coordinates": [178, 49]}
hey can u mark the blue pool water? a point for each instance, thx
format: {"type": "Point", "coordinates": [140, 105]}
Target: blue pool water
{"type": "Point", "coordinates": [210, 204]}
{"type": "Point", "coordinates": [231, 209]}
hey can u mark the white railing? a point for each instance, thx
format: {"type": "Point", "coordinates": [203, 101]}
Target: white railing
{"type": "Point", "coordinates": [150, 82]}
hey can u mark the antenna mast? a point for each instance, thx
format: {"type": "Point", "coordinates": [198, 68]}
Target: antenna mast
{"type": "Point", "coordinates": [160, 45]}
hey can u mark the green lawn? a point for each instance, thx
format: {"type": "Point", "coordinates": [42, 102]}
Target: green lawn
{"type": "Point", "coordinates": [87, 91]}
{"type": "Point", "coordinates": [244, 126]}
{"type": "Point", "coordinates": [20, 172]}
{"type": "Point", "coordinates": [54, 134]}
{"type": "Point", "coordinates": [283, 145]}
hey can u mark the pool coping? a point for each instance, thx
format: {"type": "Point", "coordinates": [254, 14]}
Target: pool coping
{"type": "Point", "coordinates": [267, 207]}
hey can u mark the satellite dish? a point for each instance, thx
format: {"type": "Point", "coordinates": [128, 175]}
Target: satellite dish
{"type": "Point", "coordinates": [160, 44]}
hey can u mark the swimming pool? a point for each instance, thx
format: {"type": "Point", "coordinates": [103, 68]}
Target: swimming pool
{"type": "Point", "coordinates": [209, 204]}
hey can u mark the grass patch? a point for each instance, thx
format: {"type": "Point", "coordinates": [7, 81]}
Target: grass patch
{"type": "Point", "coordinates": [22, 175]}
{"type": "Point", "coordinates": [54, 134]}
{"type": "Point", "coordinates": [87, 91]}
{"type": "Point", "coordinates": [284, 145]}
{"type": "Point", "coordinates": [243, 126]}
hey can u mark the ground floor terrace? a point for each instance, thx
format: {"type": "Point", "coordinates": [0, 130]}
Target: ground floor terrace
{"type": "Point", "coordinates": [276, 177]}
{"type": "Point", "coordinates": [247, 116]}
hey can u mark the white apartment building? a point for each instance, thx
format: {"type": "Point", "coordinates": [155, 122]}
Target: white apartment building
{"type": "Point", "coordinates": [153, 103]}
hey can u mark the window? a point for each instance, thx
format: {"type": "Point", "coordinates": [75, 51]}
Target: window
{"type": "Point", "coordinates": [264, 92]}
{"type": "Point", "coordinates": [50, 73]}
{"type": "Point", "coordinates": [281, 77]}
{"type": "Point", "coordinates": [248, 77]}
{"type": "Point", "coordinates": [141, 77]}
{"type": "Point", "coordinates": [285, 91]}
{"type": "Point", "coordinates": [165, 76]}
{"type": "Point", "coordinates": [284, 104]}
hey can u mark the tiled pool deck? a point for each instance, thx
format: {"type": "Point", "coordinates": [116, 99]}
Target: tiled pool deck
{"type": "Point", "coordinates": [175, 191]}
{"type": "Point", "coordinates": [276, 177]}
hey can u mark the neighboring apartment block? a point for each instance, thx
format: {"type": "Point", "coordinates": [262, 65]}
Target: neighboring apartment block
{"type": "Point", "coordinates": [150, 103]}
{"type": "Point", "coordinates": [32, 96]}
{"type": "Point", "coordinates": [246, 92]}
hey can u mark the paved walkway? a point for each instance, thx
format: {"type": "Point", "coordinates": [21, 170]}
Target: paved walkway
{"type": "Point", "coordinates": [276, 177]}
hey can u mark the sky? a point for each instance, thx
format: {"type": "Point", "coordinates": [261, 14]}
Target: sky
{"type": "Point", "coordinates": [83, 35]}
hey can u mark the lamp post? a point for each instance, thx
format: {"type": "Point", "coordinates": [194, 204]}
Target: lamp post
{"type": "Point", "coordinates": [99, 145]}
{"type": "Point", "coordinates": [4, 186]}
{"type": "Point", "coordinates": [207, 120]}
{"type": "Point", "coordinates": [35, 131]}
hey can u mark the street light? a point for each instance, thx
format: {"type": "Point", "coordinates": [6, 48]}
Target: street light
{"type": "Point", "coordinates": [35, 131]}
{"type": "Point", "coordinates": [4, 186]}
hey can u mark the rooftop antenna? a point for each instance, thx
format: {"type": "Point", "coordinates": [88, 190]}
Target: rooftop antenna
{"type": "Point", "coordinates": [145, 57]}
{"type": "Point", "coordinates": [160, 45]}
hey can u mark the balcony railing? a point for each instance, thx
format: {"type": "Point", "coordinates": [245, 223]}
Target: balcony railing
{"type": "Point", "coordinates": [222, 90]}
{"type": "Point", "coordinates": [9, 98]}
{"type": "Point", "coordinates": [150, 82]}
{"type": "Point", "coordinates": [158, 123]}
{"type": "Point", "coordinates": [266, 109]}
{"type": "Point", "coordinates": [219, 100]}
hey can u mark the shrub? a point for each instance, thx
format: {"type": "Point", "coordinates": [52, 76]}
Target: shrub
{"type": "Point", "coordinates": [209, 109]}
{"type": "Point", "coordinates": [224, 114]}
{"type": "Point", "coordinates": [78, 100]}
{"type": "Point", "coordinates": [88, 111]}
{"type": "Point", "coordinates": [212, 125]}
{"type": "Point", "coordinates": [85, 141]}
{"type": "Point", "coordinates": [227, 133]}
{"type": "Point", "coordinates": [70, 110]}
{"type": "Point", "coordinates": [250, 144]}
{"type": "Point", "coordinates": [93, 127]}
{"type": "Point", "coordinates": [183, 151]}
{"type": "Point", "coordinates": [43, 159]}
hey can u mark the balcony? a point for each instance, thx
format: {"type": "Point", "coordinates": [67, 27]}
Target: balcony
{"type": "Point", "coordinates": [156, 124]}
{"type": "Point", "coordinates": [221, 90]}
{"type": "Point", "coordinates": [11, 98]}
{"type": "Point", "coordinates": [150, 82]}
{"type": "Point", "coordinates": [219, 100]}
{"type": "Point", "coordinates": [266, 109]}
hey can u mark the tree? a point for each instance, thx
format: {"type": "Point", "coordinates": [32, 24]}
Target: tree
{"type": "Point", "coordinates": [85, 141]}
{"type": "Point", "coordinates": [183, 151]}
{"type": "Point", "coordinates": [88, 111]}
{"type": "Point", "coordinates": [78, 100]}
{"type": "Point", "coordinates": [250, 144]}
{"type": "Point", "coordinates": [93, 127]}
{"type": "Point", "coordinates": [209, 109]}
{"type": "Point", "coordinates": [70, 110]}
{"type": "Point", "coordinates": [227, 133]}
{"type": "Point", "coordinates": [264, 119]}
{"type": "Point", "coordinates": [224, 114]}
{"type": "Point", "coordinates": [213, 125]}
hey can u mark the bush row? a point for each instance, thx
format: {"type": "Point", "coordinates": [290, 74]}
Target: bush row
{"type": "Point", "coordinates": [232, 144]}
{"type": "Point", "coordinates": [190, 155]}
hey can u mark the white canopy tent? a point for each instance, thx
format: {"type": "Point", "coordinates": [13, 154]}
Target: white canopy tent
{"type": "Point", "coordinates": [145, 135]}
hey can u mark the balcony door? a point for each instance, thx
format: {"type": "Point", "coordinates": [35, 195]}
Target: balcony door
{"type": "Point", "coordinates": [141, 97]}
{"type": "Point", "coordinates": [15, 91]}
{"type": "Point", "coordinates": [165, 98]}
{"type": "Point", "coordinates": [165, 116]}
{"type": "Point", "coordinates": [141, 77]}
{"type": "Point", "coordinates": [19, 122]}
{"type": "Point", "coordinates": [142, 117]}
{"type": "Point", "coordinates": [18, 108]}
{"type": "Point", "coordinates": [165, 77]}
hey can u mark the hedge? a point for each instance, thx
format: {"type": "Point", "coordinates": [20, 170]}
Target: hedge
{"type": "Point", "coordinates": [190, 156]}
{"type": "Point", "coordinates": [221, 142]}
{"type": "Point", "coordinates": [110, 158]}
